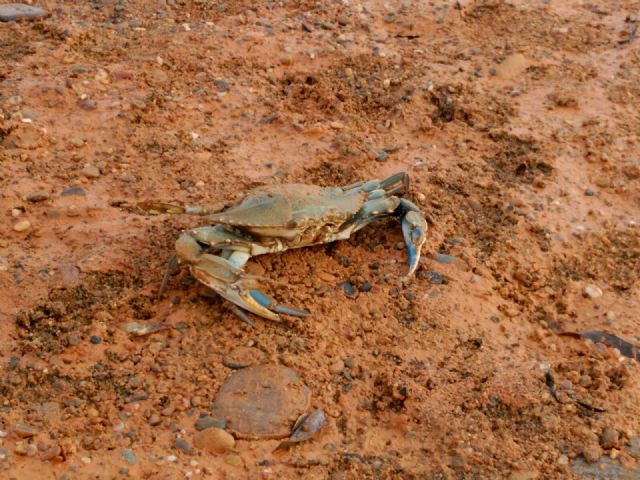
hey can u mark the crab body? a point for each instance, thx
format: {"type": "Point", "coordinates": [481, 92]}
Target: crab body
{"type": "Point", "coordinates": [281, 217]}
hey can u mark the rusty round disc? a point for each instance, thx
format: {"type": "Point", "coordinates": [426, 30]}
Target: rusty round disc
{"type": "Point", "coordinates": [262, 402]}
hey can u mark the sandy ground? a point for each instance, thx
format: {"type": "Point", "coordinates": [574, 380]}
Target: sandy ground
{"type": "Point", "coordinates": [515, 121]}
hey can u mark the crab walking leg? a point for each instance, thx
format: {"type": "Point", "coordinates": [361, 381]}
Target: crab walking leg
{"type": "Point", "coordinates": [178, 208]}
{"type": "Point", "coordinates": [223, 276]}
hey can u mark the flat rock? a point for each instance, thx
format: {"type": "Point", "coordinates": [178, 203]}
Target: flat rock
{"type": "Point", "coordinates": [262, 402]}
{"type": "Point", "coordinates": [604, 469]}
{"type": "Point", "coordinates": [16, 11]}
{"type": "Point", "coordinates": [242, 357]}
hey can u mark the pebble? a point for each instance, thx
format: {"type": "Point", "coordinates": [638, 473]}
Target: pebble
{"type": "Point", "coordinates": [23, 430]}
{"type": "Point", "coordinates": [95, 339]}
{"type": "Point", "coordinates": [592, 453]}
{"type": "Point", "coordinates": [214, 440]}
{"type": "Point", "coordinates": [348, 289]}
{"type": "Point", "coordinates": [221, 84]}
{"type": "Point", "coordinates": [90, 171]}
{"type": "Point", "coordinates": [593, 291]}
{"type": "Point", "coordinates": [209, 422]}
{"type": "Point", "coordinates": [22, 225]}
{"type": "Point", "coordinates": [336, 367]}
{"type": "Point", "coordinates": [609, 438]}
{"type": "Point", "coordinates": [154, 419]}
{"type": "Point", "coordinates": [185, 446]}
{"type": "Point", "coordinates": [37, 197]}
{"type": "Point", "coordinates": [15, 11]}
{"type": "Point", "coordinates": [129, 456]}
{"type": "Point", "coordinates": [382, 156]}
{"type": "Point", "coordinates": [73, 191]}
{"type": "Point", "coordinates": [442, 258]}
{"type": "Point", "coordinates": [365, 287]}
{"type": "Point", "coordinates": [241, 357]}
{"type": "Point", "coordinates": [88, 105]}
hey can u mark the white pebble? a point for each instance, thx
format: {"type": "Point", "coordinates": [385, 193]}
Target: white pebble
{"type": "Point", "coordinates": [172, 458]}
{"type": "Point", "coordinates": [593, 291]}
{"type": "Point", "coordinates": [22, 225]}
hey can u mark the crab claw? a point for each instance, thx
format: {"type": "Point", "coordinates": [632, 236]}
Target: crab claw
{"type": "Point", "coordinates": [414, 230]}
{"type": "Point", "coordinates": [238, 287]}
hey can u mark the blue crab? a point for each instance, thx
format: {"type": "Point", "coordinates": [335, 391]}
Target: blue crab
{"type": "Point", "coordinates": [281, 217]}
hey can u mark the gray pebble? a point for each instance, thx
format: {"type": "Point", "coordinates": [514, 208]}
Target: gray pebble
{"type": "Point", "coordinates": [73, 191]}
{"type": "Point", "coordinates": [15, 11]}
{"type": "Point", "coordinates": [210, 422]}
{"type": "Point", "coordinates": [129, 456]}
{"type": "Point", "coordinates": [182, 444]}
{"type": "Point", "coordinates": [221, 84]}
{"type": "Point", "coordinates": [442, 258]}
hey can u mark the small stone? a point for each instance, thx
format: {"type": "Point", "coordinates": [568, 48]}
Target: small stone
{"type": "Point", "coordinates": [348, 289]}
{"type": "Point", "coordinates": [592, 453]}
{"type": "Point", "coordinates": [199, 184]}
{"type": "Point", "coordinates": [234, 459]}
{"type": "Point", "coordinates": [37, 197]}
{"type": "Point", "coordinates": [442, 258]}
{"type": "Point", "coordinates": [563, 460]}
{"type": "Point", "coordinates": [185, 446]}
{"type": "Point", "coordinates": [242, 357]}
{"type": "Point", "coordinates": [592, 291]}
{"type": "Point", "coordinates": [609, 438]}
{"type": "Point", "coordinates": [95, 339]}
{"type": "Point", "coordinates": [382, 156]}
{"type": "Point", "coordinates": [154, 419]}
{"type": "Point", "coordinates": [90, 171]}
{"type": "Point", "coordinates": [15, 11]}
{"type": "Point", "coordinates": [172, 458]}
{"type": "Point", "coordinates": [221, 84]}
{"type": "Point", "coordinates": [73, 191]}
{"type": "Point", "coordinates": [589, 193]}
{"type": "Point", "coordinates": [22, 225]}
{"type": "Point", "coordinates": [23, 430]}
{"type": "Point", "coordinates": [209, 422]}
{"type": "Point", "coordinates": [129, 456]}
{"type": "Point", "coordinates": [214, 440]}
{"type": "Point", "coordinates": [336, 367]}
{"type": "Point", "coordinates": [16, 212]}
{"type": "Point", "coordinates": [365, 287]}
{"type": "Point", "coordinates": [88, 105]}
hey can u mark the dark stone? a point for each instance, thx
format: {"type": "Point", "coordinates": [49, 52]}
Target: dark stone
{"type": "Point", "coordinates": [182, 444]}
{"type": "Point", "coordinates": [95, 339]}
{"type": "Point", "coordinates": [73, 191]}
{"type": "Point", "coordinates": [348, 289]}
{"type": "Point", "coordinates": [210, 422]}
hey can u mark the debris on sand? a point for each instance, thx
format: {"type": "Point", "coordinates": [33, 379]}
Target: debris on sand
{"type": "Point", "coordinates": [305, 429]}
